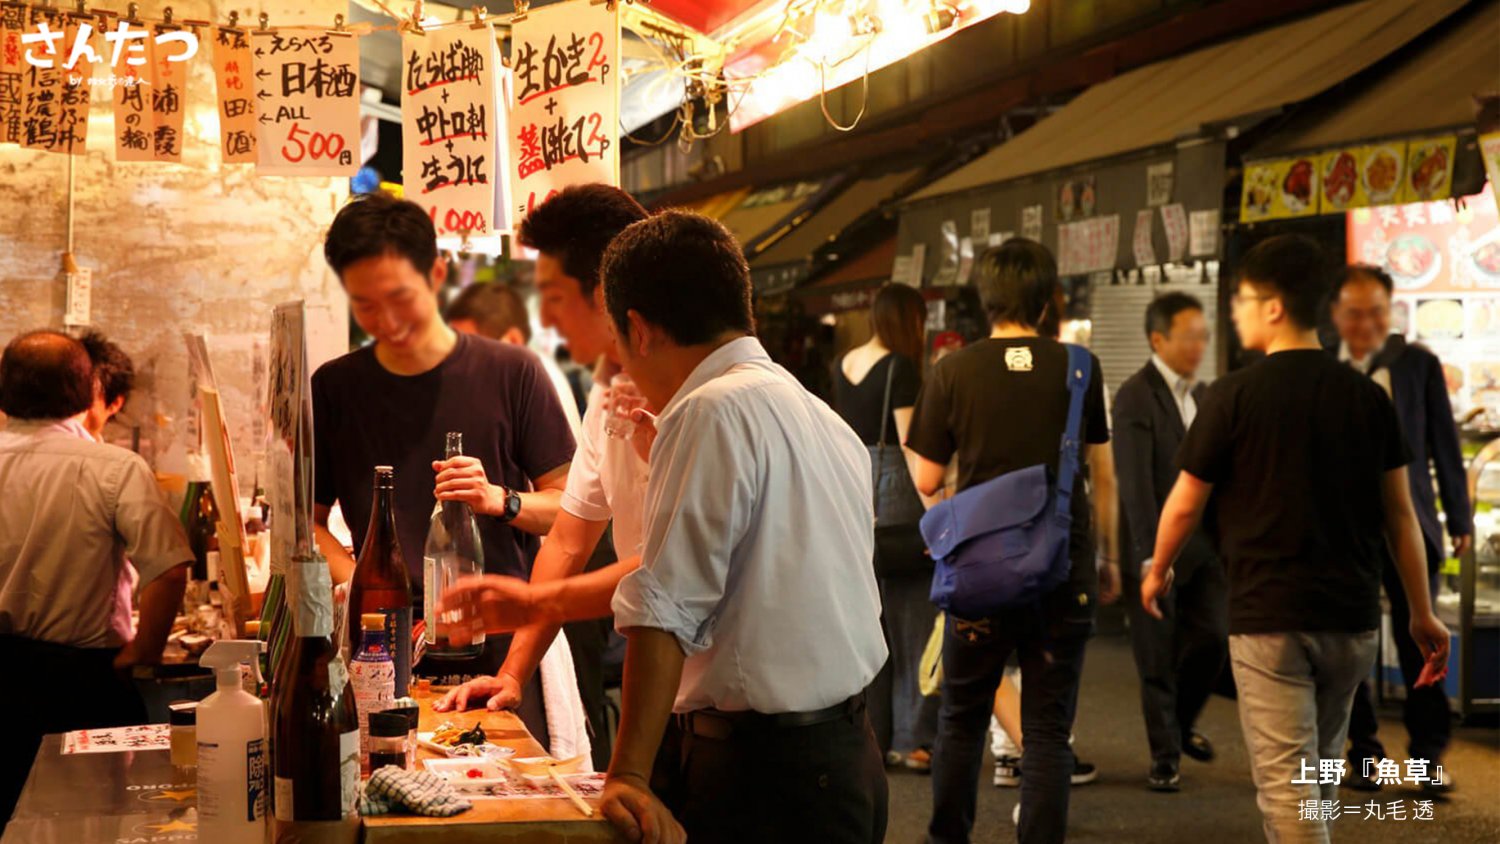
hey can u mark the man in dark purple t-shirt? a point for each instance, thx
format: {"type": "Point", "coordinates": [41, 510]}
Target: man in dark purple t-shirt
{"type": "Point", "coordinates": [392, 403]}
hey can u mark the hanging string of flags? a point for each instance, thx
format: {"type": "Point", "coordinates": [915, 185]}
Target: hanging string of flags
{"type": "Point", "coordinates": [483, 143]}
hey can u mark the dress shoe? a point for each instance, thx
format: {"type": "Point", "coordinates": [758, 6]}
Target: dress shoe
{"type": "Point", "coordinates": [1197, 746]}
{"type": "Point", "coordinates": [1164, 777]}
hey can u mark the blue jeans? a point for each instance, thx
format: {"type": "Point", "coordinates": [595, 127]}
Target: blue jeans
{"type": "Point", "coordinates": [1049, 645]}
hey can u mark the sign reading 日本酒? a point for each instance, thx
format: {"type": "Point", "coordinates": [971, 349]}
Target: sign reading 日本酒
{"type": "Point", "coordinates": [307, 102]}
{"type": "Point", "coordinates": [564, 121]}
{"type": "Point", "coordinates": [233, 67]}
{"type": "Point", "coordinates": [452, 119]}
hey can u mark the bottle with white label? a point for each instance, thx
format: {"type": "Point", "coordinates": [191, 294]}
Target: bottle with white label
{"type": "Point", "coordinates": [231, 750]}
{"type": "Point", "coordinates": [317, 727]}
{"type": "Point", "coordinates": [373, 675]}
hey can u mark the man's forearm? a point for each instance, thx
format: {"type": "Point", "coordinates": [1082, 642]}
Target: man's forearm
{"type": "Point", "coordinates": [340, 561]}
{"type": "Point", "coordinates": [565, 553]}
{"type": "Point", "coordinates": [160, 600]}
{"type": "Point", "coordinates": [538, 511]}
{"type": "Point", "coordinates": [1179, 518]}
{"type": "Point", "coordinates": [653, 670]}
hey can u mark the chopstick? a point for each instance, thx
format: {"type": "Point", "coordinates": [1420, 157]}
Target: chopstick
{"type": "Point", "coordinates": [585, 808]}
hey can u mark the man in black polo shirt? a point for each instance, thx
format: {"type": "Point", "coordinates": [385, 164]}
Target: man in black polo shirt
{"type": "Point", "coordinates": [1306, 465]}
{"type": "Point", "coordinates": [392, 403]}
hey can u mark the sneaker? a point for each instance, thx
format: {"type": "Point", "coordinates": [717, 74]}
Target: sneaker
{"type": "Point", "coordinates": [1083, 772]}
{"type": "Point", "coordinates": [1164, 778]}
{"type": "Point", "coordinates": [919, 760]}
{"type": "Point", "coordinates": [1008, 772]}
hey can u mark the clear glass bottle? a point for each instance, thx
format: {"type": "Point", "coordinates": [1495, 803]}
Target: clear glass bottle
{"type": "Point", "coordinates": [453, 552]}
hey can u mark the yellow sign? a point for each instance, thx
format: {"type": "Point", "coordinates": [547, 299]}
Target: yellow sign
{"type": "Point", "coordinates": [1429, 169]}
{"type": "Point", "coordinates": [1340, 185]}
{"type": "Point", "coordinates": [1344, 179]}
{"type": "Point", "coordinates": [1275, 190]}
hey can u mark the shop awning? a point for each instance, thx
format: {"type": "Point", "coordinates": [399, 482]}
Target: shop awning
{"type": "Point", "coordinates": [718, 205]}
{"type": "Point", "coordinates": [764, 211]}
{"type": "Point", "coordinates": [1163, 102]}
{"type": "Point", "coordinates": [824, 224]}
{"type": "Point", "coordinates": [1429, 92]}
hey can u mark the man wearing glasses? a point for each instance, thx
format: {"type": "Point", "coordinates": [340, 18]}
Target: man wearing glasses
{"type": "Point", "coordinates": [1413, 377]}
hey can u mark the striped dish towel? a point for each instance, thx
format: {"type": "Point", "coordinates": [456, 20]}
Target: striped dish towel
{"type": "Point", "coordinates": [392, 789]}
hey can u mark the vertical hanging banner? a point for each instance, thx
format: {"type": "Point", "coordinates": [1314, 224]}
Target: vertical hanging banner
{"type": "Point", "coordinates": [135, 124]}
{"type": "Point", "coordinates": [171, 48]}
{"type": "Point", "coordinates": [232, 77]}
{"type": "Point", "coordinates": [306, 102]}
{"type": "Point", "coordinates": [565, 120]}
{"type": "Point", "coordinates": [59, 62]}
{"type": "Point", "coordinates": [452, 119]}
{"type": "Point", "coordinates": [12, 26]}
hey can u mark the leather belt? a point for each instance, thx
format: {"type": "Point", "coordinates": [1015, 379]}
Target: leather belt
{"type": "Point", "coordinates": [718, 724]}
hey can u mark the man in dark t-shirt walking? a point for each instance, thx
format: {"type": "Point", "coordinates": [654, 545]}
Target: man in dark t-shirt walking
{"type": "Point", "coordinates": [392, 403]}
{"type": "Point", "coordinates": [1306, 465]}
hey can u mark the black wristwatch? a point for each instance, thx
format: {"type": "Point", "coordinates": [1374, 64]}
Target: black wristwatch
{"type": "Point", "coordinates": [512, 506]}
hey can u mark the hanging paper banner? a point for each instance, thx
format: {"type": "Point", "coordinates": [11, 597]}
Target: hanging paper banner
{"type": "Point", "coordinates": [307, 102]}
{"type": "Point", "coordinates": [452, 118]}
{"type": "Point", "coordinates": [232, 68]}
{"type": "Point", "coordinates": [1429, 169]}
{"type": "Point", "coordinates": [565, 121]}
{"type": "Point", "coordinates": [169, 54]}
{"type": "Point", "coordinates": [1140, 243]}
{"type": "Point", "coordinates": [1489, 150]}
{"type": "Point", "coordinates": [59, 62]}
{"type": "Point", "coordinates": [135, 123]}
{"type": "Point", "coordinates": [1175, 222]}
{"type": "Point", "coordinates": [12, 25]}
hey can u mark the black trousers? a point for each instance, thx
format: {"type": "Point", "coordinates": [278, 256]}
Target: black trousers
{"type": "Point", "coordinates": [81, 690]}
{"type": "Point", "coordinates": [1049, 644]}
{"type": "Point", "coordinates": [1180, 656]}
{"type": "Point", "coordinates": [1428, 718]}
{"type": "Point", "coordinates": [822, 784]}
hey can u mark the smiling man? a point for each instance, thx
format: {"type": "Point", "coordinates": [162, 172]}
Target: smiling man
{"type": "Point", "coordinates": [392, 402]}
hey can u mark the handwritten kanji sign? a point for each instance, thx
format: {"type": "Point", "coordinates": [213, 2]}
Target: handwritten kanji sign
{"type": "Point", "coordinates": [135, 121]}
{"type": "Point", "coordinates": [12, 25]}
{"type": "Point", "coordinates": [59, 62]}
{"type": "Point", "coordinates": [307, 102]}
{"type": "Point", "coordinates": [168, 85]}
{"type": "Point", "coordinates": [565, 121]}
{"type": "Point", "coordinates": [452, 120]}
{"type": "Point", "coordinates": [233, 76]}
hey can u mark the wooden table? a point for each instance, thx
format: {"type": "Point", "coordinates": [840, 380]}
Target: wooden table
{"type": "Point", "coordinates": [541, 821]}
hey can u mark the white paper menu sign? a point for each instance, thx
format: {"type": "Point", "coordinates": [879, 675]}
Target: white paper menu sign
{"type": "Point", "coordinates": [233, 77]}
{"type": "Point", "coordinates": [135, 122]}
{"type": "Point", "coordinates": [451, 124]}
{"type": "Point", "coordinates": [307, 99]}
{"type": "Point", "coordinates": [118, 739]}
{"type": "Point", "coordinates": [565, 119]}
{"type": "Point", "coordinates": [1174, 220]}
{"type": "Point", "coordinates": [1203, 233]}
{"type": "Point", "coordinates": [1145, 251]}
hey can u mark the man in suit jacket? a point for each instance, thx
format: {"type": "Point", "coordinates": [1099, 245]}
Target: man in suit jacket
{"type": "Point", "coordinates": [1414, 378]}
{"type": "Point", "coordinates": [1180, 655]}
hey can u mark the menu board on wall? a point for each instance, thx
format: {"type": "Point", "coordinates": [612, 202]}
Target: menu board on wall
{"type": "Point", "coordinates": [307, 102]}
{"type": "Point", "coordinates": [233, 69]}
{"type": "Point", "coordinates": [565, 120]}
{"type": "Point", "coordinates": [1445, 262]}
{"type": "Point", "coordinates": [452, 120]}
{"type": "Point", "coordinates": [12, 25]}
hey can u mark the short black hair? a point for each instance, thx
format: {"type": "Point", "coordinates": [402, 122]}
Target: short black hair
{"type": "Point", "coordinates": [45, 375]}
{"type": "Point", "coordinates": [380, 224]}
{"type": "Point", "coordinates": [1165, 308]}
{"type": "Point", "coordinates": [113, 369]}
{"type": "Point", "coordinates": [1362, 272]}
{"type": "Point", "coordinates": [1016, 281]}
{"type": "Point", "coordinates": [1294, 268]}
{"type": "Point", "coordinates": [575, 226]}
{"type": "Point", "coordinates": [684, 272]}
{"type": "Point", "coordinates": [495, 309]}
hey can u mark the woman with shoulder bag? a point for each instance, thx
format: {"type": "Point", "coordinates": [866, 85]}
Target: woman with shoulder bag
{"type": "Point", "coordinates": [875, 387]}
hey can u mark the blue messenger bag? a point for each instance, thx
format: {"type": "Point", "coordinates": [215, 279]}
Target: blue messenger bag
{"type": "Point", "coordinates": [1004, 543]}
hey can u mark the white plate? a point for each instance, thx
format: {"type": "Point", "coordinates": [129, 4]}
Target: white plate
{"type": "Point", "coordinates": [456, 772]}
{"type": "Point", "coordinates": [484, 750]}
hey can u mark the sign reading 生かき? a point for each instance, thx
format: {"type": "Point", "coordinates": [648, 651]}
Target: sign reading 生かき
{"type": "Point", "coordinates": [564, 121]}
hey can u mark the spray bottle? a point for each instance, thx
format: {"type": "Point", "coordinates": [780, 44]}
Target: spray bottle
{"type": "Point", "coordinates": [232, 758]}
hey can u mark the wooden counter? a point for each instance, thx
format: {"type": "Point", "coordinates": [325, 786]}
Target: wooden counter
{"type": "Point", "coordinates": [530, 821]}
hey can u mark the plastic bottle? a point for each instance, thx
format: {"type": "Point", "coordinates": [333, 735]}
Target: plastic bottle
{"type": "Point", "coordinates": [231, 750]}
{"type": "Point", "coordinates": [372, 672]}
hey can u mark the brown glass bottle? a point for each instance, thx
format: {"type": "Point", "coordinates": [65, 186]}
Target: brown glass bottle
{"type": "Point", "coordinates": [316, 753]}
{"type": "Point", "coordinates": [381, 583]}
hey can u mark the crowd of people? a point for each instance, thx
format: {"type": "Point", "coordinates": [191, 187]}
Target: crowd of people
{"type": "Point", "coordinates": [769, 559]}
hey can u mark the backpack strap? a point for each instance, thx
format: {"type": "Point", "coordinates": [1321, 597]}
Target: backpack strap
{"type": "Point", "coordinates": [885, 415]}
{"type": "Point", "coordinates": [1080, 369]}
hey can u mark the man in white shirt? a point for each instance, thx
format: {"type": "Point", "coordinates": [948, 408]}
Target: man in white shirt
{"type": "Point", "coordinates": [71, 509]}
{"type": "Point", "coordinates": [753, 620]}
{"type": "Point", "coordinates": [607, 480]}
{"type": "Point", "coordinates": [1180, 655]}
